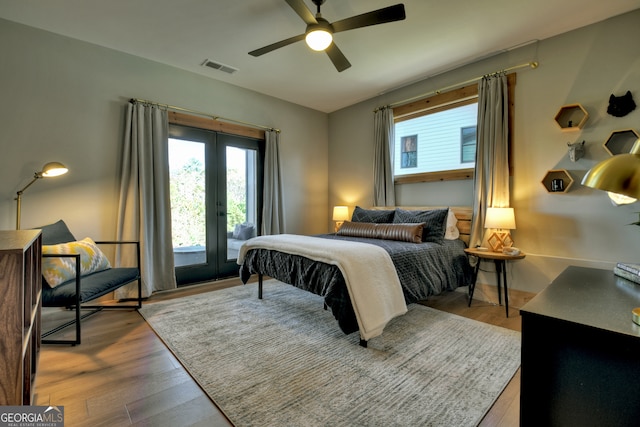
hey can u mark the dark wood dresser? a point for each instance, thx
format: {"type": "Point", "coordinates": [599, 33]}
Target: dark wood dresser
{"type": "Point", "coordinates": [20, 306]}
{"type": "Point", "coordinates": [581, 352]}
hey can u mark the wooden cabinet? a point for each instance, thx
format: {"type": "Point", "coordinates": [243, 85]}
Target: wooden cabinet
{"type": "Point", "coordinates": [20, 306]}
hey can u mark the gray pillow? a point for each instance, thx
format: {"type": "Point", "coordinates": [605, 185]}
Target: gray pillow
{"type": "Point", "coordinates": [372, 215]}
{"type": "Point", "coordinates": [435, 222]}
{"type": "Point", "coordinates": [56, 233]}
{"type": "Point", "coordinates": [244, 231]}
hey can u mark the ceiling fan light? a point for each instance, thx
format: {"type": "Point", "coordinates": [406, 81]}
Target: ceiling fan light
{"type": "Point", "coordinates": [318, 39]}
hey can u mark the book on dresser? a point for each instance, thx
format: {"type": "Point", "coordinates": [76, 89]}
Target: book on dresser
{"type": "Point", "coordinates": [631, 268]}
{"type": "Point", "coordinates": [628, 271]}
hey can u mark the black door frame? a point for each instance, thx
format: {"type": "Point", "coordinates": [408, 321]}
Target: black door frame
{"type": "Point", "coordinates": [217, 265]}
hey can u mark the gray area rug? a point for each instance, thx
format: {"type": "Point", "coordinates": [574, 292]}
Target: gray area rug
{"type": "Point", "coordinates": [283, 361]}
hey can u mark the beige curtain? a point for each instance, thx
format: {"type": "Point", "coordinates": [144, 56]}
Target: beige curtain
{"type": "Point", "coordinates": [272, 212]}
{"type": "Point", "coordinates": [491, 185]}
{"type": "Point", "coordinates": [144, 209]}
{"type": "Point", "coordinates": [384, 142]}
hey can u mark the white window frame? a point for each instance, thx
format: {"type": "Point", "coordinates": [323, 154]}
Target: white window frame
{"type": "Point", "coordinates": [443, 101]}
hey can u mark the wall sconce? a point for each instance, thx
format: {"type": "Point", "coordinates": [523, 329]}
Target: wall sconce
{"type": "Point", "coordinates": [618, 175]}
{"type": "Point", "coordinates": [500, 219]}
{"type": "Point", "coordinates": [49, 170]}
{"type": "Point", "coordinates": [340, 215]}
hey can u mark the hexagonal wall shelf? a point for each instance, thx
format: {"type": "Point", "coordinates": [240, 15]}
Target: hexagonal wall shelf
{"type": "Point", "coordinates": [620, 141]}
{"type": "Point", "coordinates": [557, 181]}
{"type": "Point", "coordinates": [571, 117]}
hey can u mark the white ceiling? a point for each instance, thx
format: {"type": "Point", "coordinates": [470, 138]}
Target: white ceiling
{"type": "Point", "coordinates": [437, 35]}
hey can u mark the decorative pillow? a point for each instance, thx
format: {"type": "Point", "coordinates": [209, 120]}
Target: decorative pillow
{"type": "Point", "coordinates": [57, 270]}
{"type": "Point", "coordinates": [434, 222]}
{"type": "Point", "coordinates": [372, 215]}
{"type": "Point", "coordinates": [56, 233]}
{"type": "Point", "coordinates": [403, 232]}
{"type": "Point", "coordinates": [451, 232]}
{"type": "Point", "coordinates": [244, 231]}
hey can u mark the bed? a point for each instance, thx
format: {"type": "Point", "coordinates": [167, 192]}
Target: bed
{"type": "Point", "coordinates": [427, 264]}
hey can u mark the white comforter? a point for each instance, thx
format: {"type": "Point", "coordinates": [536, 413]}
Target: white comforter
{"type": "Point", "coordinates": [371, 278]}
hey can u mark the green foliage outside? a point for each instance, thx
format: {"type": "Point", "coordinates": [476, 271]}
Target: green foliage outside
{"type": "Point", "coordinates": [188, 209]}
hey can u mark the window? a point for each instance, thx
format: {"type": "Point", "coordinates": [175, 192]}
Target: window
{"type": "Point", "coordinates": [468, 144]}
{"type": "Point", "coordinates": [440, 141]}
{"type": "Point", "coordinates": [443, 128]}
{"type": "Point", "coordinates": [409, 154]}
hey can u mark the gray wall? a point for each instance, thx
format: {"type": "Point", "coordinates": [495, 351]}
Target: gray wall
{"type": "Point", "coordinates": [63, 100]}
{"type": "Point", "coordinates": [580, 227]}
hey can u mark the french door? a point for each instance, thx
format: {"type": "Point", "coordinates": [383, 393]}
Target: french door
{"type": "Point", "coordinates": [216, 200]}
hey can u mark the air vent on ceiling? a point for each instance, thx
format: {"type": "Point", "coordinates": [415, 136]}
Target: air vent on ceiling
{"type": "Point", "coordinates": [219, 66]}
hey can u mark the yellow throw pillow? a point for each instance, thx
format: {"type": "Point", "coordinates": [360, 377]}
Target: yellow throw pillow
{"type": "Point", "coordinates": [57, 270]}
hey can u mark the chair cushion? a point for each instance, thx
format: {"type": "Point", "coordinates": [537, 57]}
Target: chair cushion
{"type": "Point", "coordinates": [92, 286]}
{"type": "Point", "coordinates": [56, 233]}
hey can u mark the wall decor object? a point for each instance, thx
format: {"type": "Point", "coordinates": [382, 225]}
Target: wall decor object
{"type": "Point", "coordinates": [621, 141]}
{"type": "Point", "coordinates": [557, 184]}
{"type": "Point", "coordinates": [571, 117]}
{"type": "Point", "coordinates": [620, 106]}
{"type": "Point", "coordinates": [576, 150]}
{"type": "Point", "coordinates": [557, 181]}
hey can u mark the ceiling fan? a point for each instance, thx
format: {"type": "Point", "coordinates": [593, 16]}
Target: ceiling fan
{"type": "Point", "coordinates": [319, 32]}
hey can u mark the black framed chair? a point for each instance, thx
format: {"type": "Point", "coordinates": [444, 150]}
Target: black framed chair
{"type": "Point", "coordinates": [76, 293]}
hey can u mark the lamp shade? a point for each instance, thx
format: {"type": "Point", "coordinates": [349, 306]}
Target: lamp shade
{"type": "Point", "coordinates": [53, 169]}
{"type": "Point", "coordinates": [340, 213]}
{"type": "Point", "coordinates": [502, 218]}
{"type": "Point", "coordinates": [619, 174]}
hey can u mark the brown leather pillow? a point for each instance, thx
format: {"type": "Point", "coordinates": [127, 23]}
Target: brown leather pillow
{"type": "Point", "coordinates": [403, 232]}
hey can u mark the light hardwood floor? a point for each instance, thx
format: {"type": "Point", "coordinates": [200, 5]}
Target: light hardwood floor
{"type": "Point", "coordinates": [122, 373]}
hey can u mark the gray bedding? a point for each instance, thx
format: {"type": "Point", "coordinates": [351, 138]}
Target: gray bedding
{"type": "Point", "coordinates": [424, 269]}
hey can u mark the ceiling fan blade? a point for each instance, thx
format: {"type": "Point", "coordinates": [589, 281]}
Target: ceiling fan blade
{"type": "Point", "coordinates": [277, 45]}
{"type": "Point", "coordinates": [380, 16]}
{"type": "Point", "coordinates": [337, 57]}
{"type": "Point", "coordinates": [303, 11]}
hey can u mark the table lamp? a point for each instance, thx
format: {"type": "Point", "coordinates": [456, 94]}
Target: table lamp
{"type": "Point", "coordinates": [48, 170]}
{"type": "Point", "coordinates": [500, 219]}
{"type": "Point", "coordinates": [618, 175]}
{"type": "Point", "coordinates": [340, 215]}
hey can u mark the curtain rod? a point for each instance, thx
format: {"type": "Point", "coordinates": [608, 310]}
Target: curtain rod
{"type": "Point", "coordinates": [200, 113]}
{"type": "Point", "coordinates": [532, 64]}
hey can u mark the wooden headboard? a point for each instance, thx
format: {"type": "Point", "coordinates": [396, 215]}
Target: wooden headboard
{"type": "Point", "coordinates": [464, 214]}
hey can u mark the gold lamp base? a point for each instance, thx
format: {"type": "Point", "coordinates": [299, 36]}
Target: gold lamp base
{"type": "Point", "coordinates": [499, 240]}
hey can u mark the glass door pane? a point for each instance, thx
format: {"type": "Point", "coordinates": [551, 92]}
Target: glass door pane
{"type": "Point", "coordinates": [241, 184]}
{"type": "Point", "coordinates": [187, 171]}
